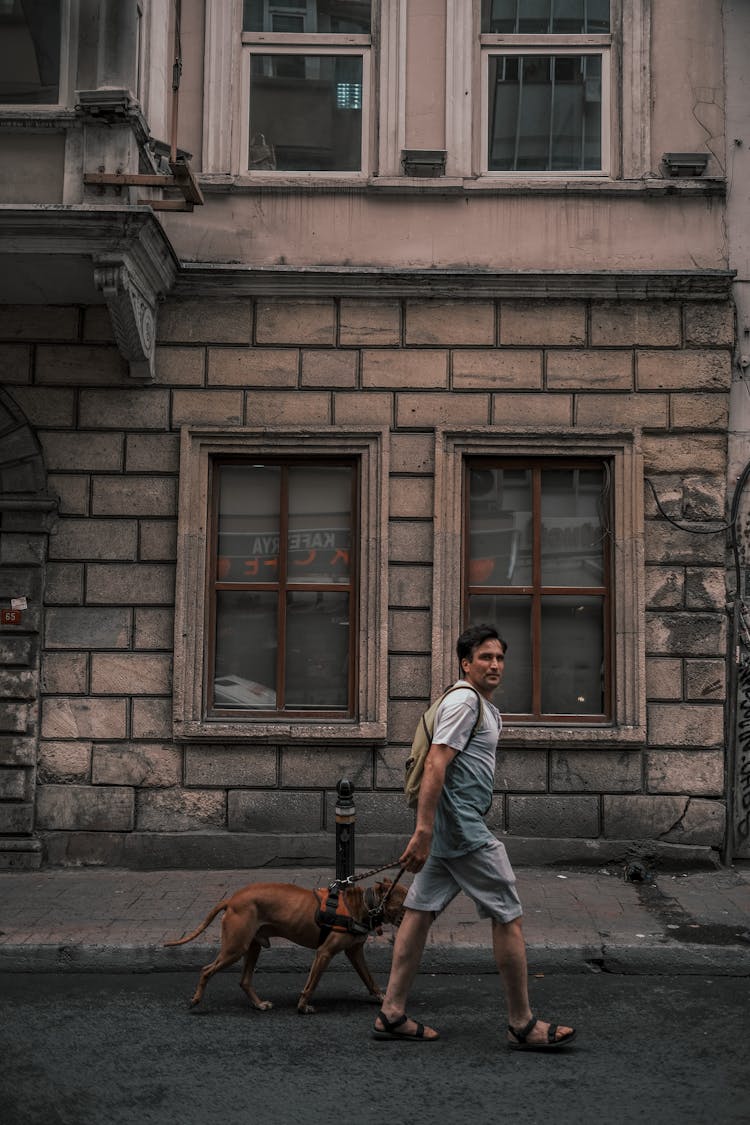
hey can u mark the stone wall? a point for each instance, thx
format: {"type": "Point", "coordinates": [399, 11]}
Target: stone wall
{"type": "Point", "coordinates": [113, 786]}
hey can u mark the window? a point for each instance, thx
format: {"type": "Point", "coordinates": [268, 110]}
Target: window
{"type": "Point", "coordinates": [30, 38]}
{"type": "Point", "coordinates": [307, 75]}
{"type": "Point", "coordinates": [546, 75]}
{"type": "Point", "coordinates": [537, 565]}
{"type": "Point", "coordinates": [284, 581]}
{"type": "Point", "coordinates": [543, 533]}
{"type": "Point", "coordinates": [281, 597]}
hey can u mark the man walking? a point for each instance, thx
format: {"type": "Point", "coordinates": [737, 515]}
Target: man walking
{"type": "Point", "coordinates": [453, 850]}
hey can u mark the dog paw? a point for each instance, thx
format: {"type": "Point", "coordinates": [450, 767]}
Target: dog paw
{"type": "Point", "coordinates": [305, 1009]}
{"type": "Point", "coordinates": [263, 1006]}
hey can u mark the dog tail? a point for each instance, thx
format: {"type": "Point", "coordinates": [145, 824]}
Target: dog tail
{"type": "Point", "coordinates": [203, 926]}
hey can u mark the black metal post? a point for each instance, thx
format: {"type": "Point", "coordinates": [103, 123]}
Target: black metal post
{"type": "Point", "coordinates": [345, 817]}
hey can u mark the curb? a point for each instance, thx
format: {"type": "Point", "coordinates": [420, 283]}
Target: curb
{"type": "Point", "coordinates": [666, 959]}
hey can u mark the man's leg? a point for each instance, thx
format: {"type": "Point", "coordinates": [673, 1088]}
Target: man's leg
{"type": "Point", "coordinates": [407, 954]}
{"type": "Point", "coordinates": [509, 948]}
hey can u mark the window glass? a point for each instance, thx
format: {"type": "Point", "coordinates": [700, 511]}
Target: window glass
{"type": "Point", "coordinates": [538, 17]}
{"type": "Point", "coordinates": [536, 565]}
{"type": "Point", "coordinates": [306, 112]}
{"type": "Point", "coordinates": [571, 650]}
{"type": "Point", "coordinates": [511, 616]}
{"type": "Point", "coordinates": [329, 17]}
{"type": "Point", "coordinates": [317, 654]}
{"type": "Point", "coordinates": [500, 538]}
{"type": "Point", "coordinates": [319, 524]}
{"type": "Point", "coordinates": [545, 113]}
{"type": "Point", "coordinates": [283, 580]}
{"type": "Point", "coordinates": [30, 35]}
{"type": "Point", "coordinates": [572, 534]}
{"type": "Point", "coordinates": [246, 648]}
{"type": "Point", "coordinates": [248, 544]}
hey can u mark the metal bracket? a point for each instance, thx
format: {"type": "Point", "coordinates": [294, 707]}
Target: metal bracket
{"type": "Point", "coordinates": [182, 178]}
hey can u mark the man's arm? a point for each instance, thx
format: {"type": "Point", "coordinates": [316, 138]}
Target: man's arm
{"type": "Point", "coordinates": [433, 779]}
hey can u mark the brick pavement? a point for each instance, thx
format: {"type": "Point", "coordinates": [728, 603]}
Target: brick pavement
{"type": "Point", "coordinates": [585, 918]}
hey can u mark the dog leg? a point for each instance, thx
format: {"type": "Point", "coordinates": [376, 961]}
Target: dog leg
{"type": "Point", "coordinates": [319, 966]}
{"type": "Point", "coordinates": [220, 962]}
{"type": "Point", "coordinates": [246, 982]}
{"type": "Point", "coordinates": [356, 955]}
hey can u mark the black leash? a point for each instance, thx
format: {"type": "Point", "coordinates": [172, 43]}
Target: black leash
{"type": "Point", "coordinates": [375, 909]}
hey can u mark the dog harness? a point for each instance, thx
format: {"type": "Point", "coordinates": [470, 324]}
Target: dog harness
{"type": "Point", "coordinates": [333, 914]}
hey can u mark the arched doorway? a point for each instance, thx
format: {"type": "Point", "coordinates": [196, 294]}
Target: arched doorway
{"type": "Point", "coordinates": [26, 513]}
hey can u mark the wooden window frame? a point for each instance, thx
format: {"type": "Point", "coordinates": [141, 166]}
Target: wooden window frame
{"type": "Point", "coordinates": [201, 446]}
{"type": "Point", "coordinates": [622, 449]}
{"type": "Point", "coordinates": [536, 590]}
{"type": "Point", "coordinates": [281, 588]}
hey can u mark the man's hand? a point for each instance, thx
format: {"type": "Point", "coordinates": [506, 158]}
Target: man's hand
{"type": "Point", "coordinates": [416, 851]}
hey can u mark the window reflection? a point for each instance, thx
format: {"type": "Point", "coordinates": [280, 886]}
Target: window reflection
{"type": "Point", "coordinates": [246, 645]}
{"type": "Point", "coordinates": [537, 17]}
{"type": "Point", "coordinates": [500, 520]}
{"type": "Point", "coordinates": [512, 618]}
{"type": "Point", "coordinates": [317, 656]}
{"type": "Point", "coordinates": [545, 113]}
{"type": "Point", "coordinates": [306, 112]}
{"type": "Point", "coordinates": [572, 533]}
{"type": "Point", "coordinates": [330, 17]}
{"type": "Point", "coordinates": [572, 647]}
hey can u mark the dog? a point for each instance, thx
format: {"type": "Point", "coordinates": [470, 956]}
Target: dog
{"type": "Point", "coordinates": [311, 919]}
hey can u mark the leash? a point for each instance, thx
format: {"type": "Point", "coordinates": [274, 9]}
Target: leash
{"type": "Point", "coordinates": [352, 879]}
{"type": "Point", "coordinates": [375, 908]}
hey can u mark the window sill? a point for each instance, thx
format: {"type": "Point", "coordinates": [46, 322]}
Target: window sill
{"type": "Point", "coordinates": [246, 730]}
{"type": "Point", "coordinates": [571, 736]}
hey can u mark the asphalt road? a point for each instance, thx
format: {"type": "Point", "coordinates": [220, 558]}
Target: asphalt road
{"type": "Point", "coordinates": [126, 1050]}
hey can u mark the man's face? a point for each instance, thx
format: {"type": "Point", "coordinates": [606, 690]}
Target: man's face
{"type": "Point", "coordinates": [484, 669]}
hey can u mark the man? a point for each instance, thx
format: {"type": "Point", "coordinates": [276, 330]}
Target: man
{"type": "Point", "coordinates": [452, 849]}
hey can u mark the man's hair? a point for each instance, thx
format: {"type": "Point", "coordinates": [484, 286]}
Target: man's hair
{"type": "Point", "coordinates": [473, 637]}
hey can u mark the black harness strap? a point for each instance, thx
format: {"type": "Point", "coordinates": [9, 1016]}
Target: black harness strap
{"type": "Point", "coordinates": [329, 919]}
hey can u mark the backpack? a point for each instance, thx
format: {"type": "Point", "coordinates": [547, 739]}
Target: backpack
{"type": "Point", "coordinates": [422, 742]}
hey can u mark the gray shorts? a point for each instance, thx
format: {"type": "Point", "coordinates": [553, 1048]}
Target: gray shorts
{"type": "Point", "coordinates": [485, 875]}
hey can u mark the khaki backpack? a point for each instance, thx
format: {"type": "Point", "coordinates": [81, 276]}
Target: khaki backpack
{"type": "Point", "coordinates": [422, 742]}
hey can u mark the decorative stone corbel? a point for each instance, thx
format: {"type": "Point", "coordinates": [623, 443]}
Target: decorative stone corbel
{"type": "Point", "coordinates": [132, 308]}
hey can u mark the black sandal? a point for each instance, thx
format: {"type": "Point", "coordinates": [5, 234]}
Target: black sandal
{"type": "Point", "coordinates": [521, 1037]}
{"type": "Point", "coordinates": [390, 1030]}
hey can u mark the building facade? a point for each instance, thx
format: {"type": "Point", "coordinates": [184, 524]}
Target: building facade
{"type": "Point", "coordinates": [329, 327]}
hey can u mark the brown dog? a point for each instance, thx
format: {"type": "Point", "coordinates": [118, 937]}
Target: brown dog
{"type": "Point", "coordinates": [261, 911]}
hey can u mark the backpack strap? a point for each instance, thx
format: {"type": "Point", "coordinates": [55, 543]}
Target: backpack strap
{"type": "Point", "coordinates": [480, 710]}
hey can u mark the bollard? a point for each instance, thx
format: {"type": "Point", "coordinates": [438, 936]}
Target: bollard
{"type": "Point", "coordinates": [345, 817]}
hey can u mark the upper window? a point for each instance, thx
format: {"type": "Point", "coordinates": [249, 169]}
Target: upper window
{"type": "Point", "coordinates": [537, 564]}
{"type": "Point", "coordinates": [307, 82]}
{"type": "Point", "coordinates": [30, 38]}
{"type": "Point", "coordinates": [284, 589]}
{"type": "Point", "coordinates": [546, 78]}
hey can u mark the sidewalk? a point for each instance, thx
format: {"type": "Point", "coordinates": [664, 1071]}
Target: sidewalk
{"type": "Point", "coordinates": [576, 920]}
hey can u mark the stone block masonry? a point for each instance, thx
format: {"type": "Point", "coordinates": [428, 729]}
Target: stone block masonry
{"type": "Point", "coordinates": [88, 693]}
